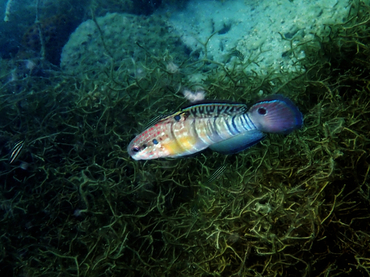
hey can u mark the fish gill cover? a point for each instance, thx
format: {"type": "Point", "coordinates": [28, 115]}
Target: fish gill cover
{"type": "Point", "coordinates": [75, 204]}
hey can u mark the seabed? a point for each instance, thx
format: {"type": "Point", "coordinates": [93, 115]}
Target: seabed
{"type": "Point", "coordinates": [75, 204]}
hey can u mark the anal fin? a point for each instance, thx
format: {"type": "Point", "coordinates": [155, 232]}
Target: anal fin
{"type": "Point", "coordinates": [238, 143]}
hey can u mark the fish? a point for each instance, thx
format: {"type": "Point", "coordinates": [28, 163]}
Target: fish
{"type": "Point", "coordinates": [16, 150]}
{"type": "Point", "coordinates": [216, 175]}
{"type": "Point", "coordinates": [227, 128]}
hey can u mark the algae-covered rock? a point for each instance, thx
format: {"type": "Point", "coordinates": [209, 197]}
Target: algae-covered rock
{"type": "Point", "coordinates": [119, 40]}
{"type": "Point", "coordinates": [268, 33]}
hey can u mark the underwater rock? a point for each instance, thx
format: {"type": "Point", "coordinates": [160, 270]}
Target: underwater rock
{"type": "Point", "coordinates": [255, 29]}
{"type": "Point", "coordinates": [124, 40]}
{"type": "Point", "coordinates": [54, 30]}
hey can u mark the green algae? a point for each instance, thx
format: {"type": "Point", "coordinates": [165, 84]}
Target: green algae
{"type": "Point", "coordinates": [294, 205]}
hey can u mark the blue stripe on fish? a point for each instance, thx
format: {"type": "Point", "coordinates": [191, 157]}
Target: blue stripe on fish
{"type": "Point", "coordinates": [234, 125]}
{"type": "Point", "coordinates": [248, 125]}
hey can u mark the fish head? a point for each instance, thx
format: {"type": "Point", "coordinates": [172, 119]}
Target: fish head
{"type": "Point", "coordinates": [276, 114]}
{"type": "Point", "coordinates": [154, 142]}
{"type": "Point", "coordinates": [145, 146]}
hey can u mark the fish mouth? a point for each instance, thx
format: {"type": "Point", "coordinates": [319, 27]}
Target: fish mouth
{"type": "Point", "coordinates": [133, 151]}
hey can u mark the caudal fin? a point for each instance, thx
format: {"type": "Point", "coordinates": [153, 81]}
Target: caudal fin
{"type": "Point", "coordinates": [276, 114]}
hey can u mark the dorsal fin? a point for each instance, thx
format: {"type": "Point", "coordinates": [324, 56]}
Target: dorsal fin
{"type": "Point", "coordinates": [219, 108]}
{"type": "Point", "coordinates": [154, 121]}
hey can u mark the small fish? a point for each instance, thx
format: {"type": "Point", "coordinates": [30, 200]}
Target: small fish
{"type": "Point", "coordinates": [227, 128]}
{"type": "Point", "coordinates": [216, 175]}
{"type": "Point", "coordinates": [17, 149]}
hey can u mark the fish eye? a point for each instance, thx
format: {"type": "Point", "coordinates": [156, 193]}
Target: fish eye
{"type": "Point", "coordinates": [177, 117]}
{"type": "Point", "coordinates": [261, 111]}
{"type": "Point", "coordinates": [155, 141]}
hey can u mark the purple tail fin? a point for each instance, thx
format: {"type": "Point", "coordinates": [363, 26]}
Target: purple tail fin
{"type": "Point", "coordinates": [276, 114]}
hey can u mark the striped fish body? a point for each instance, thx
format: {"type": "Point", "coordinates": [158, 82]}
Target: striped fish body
{"type": "Point", "coordinates": [223, 127]}
{"type": "Point", "coordinates": [193, 129]}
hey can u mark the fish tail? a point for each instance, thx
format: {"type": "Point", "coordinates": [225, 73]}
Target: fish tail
{"type": "Point", "coordinates": [276, 114]}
